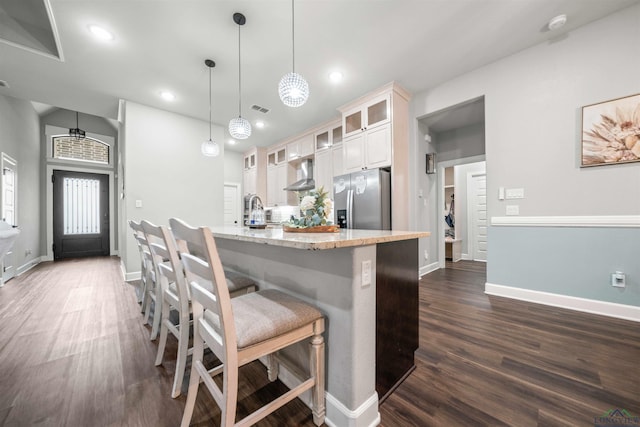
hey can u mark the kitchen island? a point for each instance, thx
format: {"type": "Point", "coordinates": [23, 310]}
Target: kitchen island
{"type": "Point", "coordinates": [366, 284]}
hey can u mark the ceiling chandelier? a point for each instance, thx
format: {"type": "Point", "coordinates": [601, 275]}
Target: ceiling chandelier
{"type": "Point", "coordinates": [210, 148]}
{"type": "Point", "coordinates": [293, 88]}
{"type": "Point", "coordinates": [239, 128]}
{"type": "Point", "coordinates": [76, 132]}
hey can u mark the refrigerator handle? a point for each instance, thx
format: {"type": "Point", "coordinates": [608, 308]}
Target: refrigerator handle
{"type": "Point", "coordinates": [350, 209]}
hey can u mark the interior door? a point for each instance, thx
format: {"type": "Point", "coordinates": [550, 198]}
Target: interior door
{"type": "Point", "coordinates": [80, 214]}
{"type": "Point", "coordinates": [231, 204]}
{"type": "Point", "coordinates": [478, 213]}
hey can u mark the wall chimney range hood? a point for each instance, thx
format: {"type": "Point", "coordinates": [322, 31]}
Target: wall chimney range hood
{"type": "Point", "coordinates": [307, 182]}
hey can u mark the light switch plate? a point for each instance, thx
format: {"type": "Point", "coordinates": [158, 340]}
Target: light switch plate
{"type": "Point", "coordinates": [138, 203]}
{"type": "Point", "coordinates": [515, 193]}
{"type": "Point", "coordinates": [513, 210]}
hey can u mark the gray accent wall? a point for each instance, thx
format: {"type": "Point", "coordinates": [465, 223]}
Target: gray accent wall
{"type": "Point", "coordinates": [533, 103]}
{"type": "Point", "coordinates": [572, 261]}
{"type": "Point", "coordinates": [20, 139]}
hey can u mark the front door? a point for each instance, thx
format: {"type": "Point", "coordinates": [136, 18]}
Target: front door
{"type": "Point", "coordinates": [80, 214]}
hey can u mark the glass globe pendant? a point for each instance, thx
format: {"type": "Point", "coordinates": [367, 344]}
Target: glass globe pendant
{"type": "Point", "coordinates": [210, 148]}
{"type": "Point", "coordinates": [293, 90]}
{"type": "Point", "coordinates": [239, 128]}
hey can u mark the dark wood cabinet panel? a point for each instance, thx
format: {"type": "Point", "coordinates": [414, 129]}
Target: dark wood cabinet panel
{"type": "Point", "coordinates": [396, 313]}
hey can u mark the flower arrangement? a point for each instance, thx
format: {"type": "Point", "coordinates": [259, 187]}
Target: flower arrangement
{"type": "Point", "coordinates": [315, 209]}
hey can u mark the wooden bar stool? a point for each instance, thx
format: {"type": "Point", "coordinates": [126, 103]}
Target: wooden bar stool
{"type": "Point", "coordinates": [243, 329]}
{"type": "Point", "coordinates": [141, 289]}
{"type": "Point", "coordinates": [175, 296]}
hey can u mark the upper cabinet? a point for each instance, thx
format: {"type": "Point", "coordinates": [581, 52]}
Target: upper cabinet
{"type": "Point", "coordinates": [328, 137]}
{"type": "Point", "coordinates": [254, 174]}
{"type": "Point", "coordinates": [300, 148]}
{"type": "Point", "coordinates": [372, 113]}
{"type": "Point", "coordinates": [375, 130]}
{"type": "Point", "coordinates": [250, 159]}
{"type": "Point", "coordinates": [276, 156]}
{"type": "Point", "coordinates": [367, 134]}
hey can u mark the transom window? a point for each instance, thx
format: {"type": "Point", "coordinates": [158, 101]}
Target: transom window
{"type": "Point", "coordinates": [83, 150]}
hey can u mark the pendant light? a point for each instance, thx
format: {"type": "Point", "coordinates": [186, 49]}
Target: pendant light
{"type": "Point", "coordinates": [293, 88]}
{"type": "Point", "coordinates": [76, 132]}
{"type": "Point", "coordinates": [210, 148]}
{"type": "Point", "coordinates": [239, 128]}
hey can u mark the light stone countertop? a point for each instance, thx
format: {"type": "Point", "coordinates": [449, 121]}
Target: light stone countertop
{"type": "Point", "coordinates": [314, 241]}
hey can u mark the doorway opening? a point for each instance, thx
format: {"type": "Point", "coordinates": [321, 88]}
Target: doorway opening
{"type": "Point", "coordinates": [458, 215]}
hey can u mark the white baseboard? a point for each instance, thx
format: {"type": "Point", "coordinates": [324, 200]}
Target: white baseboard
{"type": "Point", "coordinates": [129, 276]}
{"type": "Point", "coordinates": [620, 311]}
{"type": "Point", "coordinates": [337, 415]}
{"type": "Point", "coordinates": [28, 266]}
{"type": "Point", "coordinates": [428, 268]}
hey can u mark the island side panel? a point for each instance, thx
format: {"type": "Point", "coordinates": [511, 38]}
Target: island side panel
{"type": "Point", "coordinates": [329, 279]}
{"type": "Point", "coordinates": [397, 313]}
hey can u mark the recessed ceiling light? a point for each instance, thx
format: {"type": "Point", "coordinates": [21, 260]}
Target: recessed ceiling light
{"type": "Point", "coordinates": [100, 33]}
{"type": "Point", "coordinates": [232, 142]}
{"type": "Point", "coordinates": [336, 76]}
{"type": "Point", "coordinates": [259, 124]}
{"type": "Point", "coordinates": [167, 96]}
{"type": "Point", "coordinates": [557, 22]}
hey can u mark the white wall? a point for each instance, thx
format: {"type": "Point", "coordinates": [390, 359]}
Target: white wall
{"type": "Point", "coordinates": [533, 103]}
{"type": "Point", "coordinates": [20, 139]}
{"type": "Point", "coordinates": [165, 170]}
{"type": "Point", "coordinates": [533, 116]}
{"type": "Point", "coordinates": [233, 166]}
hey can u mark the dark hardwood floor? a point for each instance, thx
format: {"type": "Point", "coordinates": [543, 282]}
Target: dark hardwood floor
{"type": "Point", "coordinates": [74, 352]}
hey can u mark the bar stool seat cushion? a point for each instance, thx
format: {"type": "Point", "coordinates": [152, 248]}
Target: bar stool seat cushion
{"type": "Point", "coordinates": [263, 315]}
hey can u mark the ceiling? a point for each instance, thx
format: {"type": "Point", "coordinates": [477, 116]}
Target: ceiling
{"type": "Point", "coordinates": [162, 45]}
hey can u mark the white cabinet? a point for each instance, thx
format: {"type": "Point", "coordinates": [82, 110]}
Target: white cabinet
{"type": "Point", "coordinates": [249, 180]}
{"type": "Point", "coordinates": [328, 137]}
{"type": "Point", "coordinates": [338, 160]}
{"type": "Point", "coordinates": [300, 148]}
{"type": "Point", "coordinates": [367, 150]}
{"type": "Point", "coordinates": [276, 181]}
{"type": "Point", "coordinates": [372, 113]}
{"type": "Point", "coordinates": [323, 170]}
{"type": "Point", "coordinates": [366, 128]}
{"type": "Point", "coordinates": [277, 156]}
{"type": "Point", "coordinates": [254, 173]}
{"type": "Point", "coordinates": [277, 176]}
{"type": "Point", "coordinates": [375, 130]}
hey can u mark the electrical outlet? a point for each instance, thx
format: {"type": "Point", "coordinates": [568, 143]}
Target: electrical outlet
{"type": "Point", "coordinates": [138, 203]}
{"type": "Point", "coordinates": [426, 255]}
{"type": "Point", "coordinates": [618, 279]}
{"type": "Point", "coordinates": [366, 273]}
{"type": "Point", "coordinates": [513, 210]}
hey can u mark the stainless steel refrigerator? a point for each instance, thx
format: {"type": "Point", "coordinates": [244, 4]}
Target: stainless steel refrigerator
{"type": "Point", "coordinates": [363, 200]}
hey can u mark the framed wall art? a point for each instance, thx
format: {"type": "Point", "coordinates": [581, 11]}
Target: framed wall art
{"type": "Point", "coordinates": [611, 132]}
